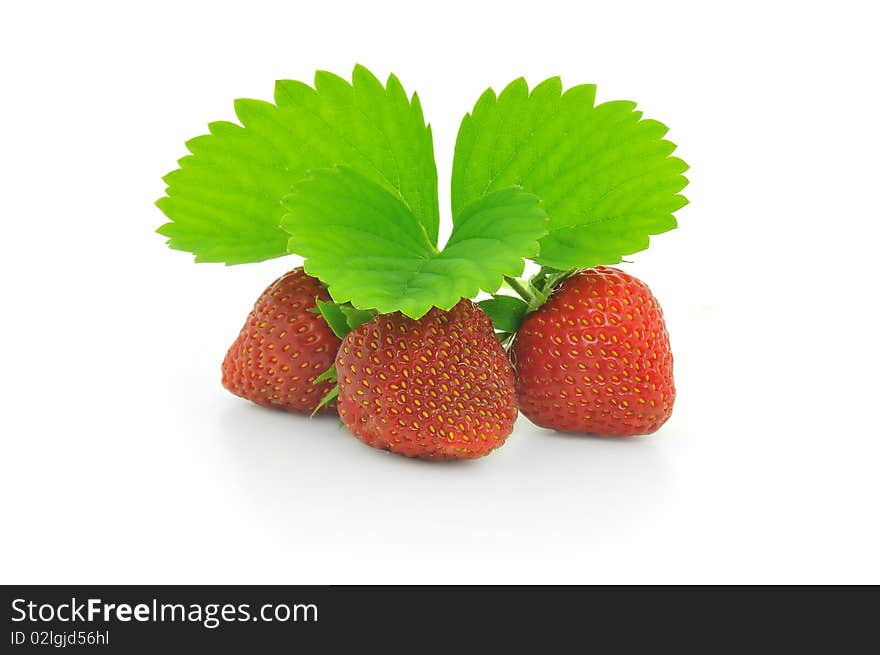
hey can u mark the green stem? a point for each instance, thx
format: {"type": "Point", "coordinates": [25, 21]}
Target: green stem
{"type": "Point", "coordinates": [524, 292]}
{"type": "Point", "coordinates": [553, 278]}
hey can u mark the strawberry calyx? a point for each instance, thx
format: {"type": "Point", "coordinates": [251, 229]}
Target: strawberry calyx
{"type": "Point", "coordinates": [508, 312]}
{"type": "Point", "coordinates": [548, 278]}
{"type": "Point", "coordinates": [332, 395]}
{"type": "Point", "coordinates": [342, 318]}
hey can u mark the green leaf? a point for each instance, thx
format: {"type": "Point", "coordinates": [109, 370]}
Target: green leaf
{"type": "Point", "coordinates": [369, 248]}
{"type": "Point", "coordinates": [334, 317]}
{"type": "Point", "coordinates": [506, 312]}
{"type": "Point", "coordinates": [224, 202]}
{"type": "Point", "coordinates": [604, 174]}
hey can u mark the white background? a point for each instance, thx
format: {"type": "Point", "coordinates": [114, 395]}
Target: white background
{"type": "Point", "coordinates": [124, 461]}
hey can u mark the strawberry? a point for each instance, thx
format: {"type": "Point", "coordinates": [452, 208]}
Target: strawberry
{"type": "Point", "coordinates": [440, 387]}
{"type": "Point", "coordinates": [283, 347]}
{"type": "Point", "coordinates": [595, 357]}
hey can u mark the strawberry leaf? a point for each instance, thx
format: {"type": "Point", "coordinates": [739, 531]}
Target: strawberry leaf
{"type": "Point", "coordinates": [370, 249]}
{"type": "Point", "coordinates": [604, 174]}
{"type": "Point", "coordinates": [224, 200]}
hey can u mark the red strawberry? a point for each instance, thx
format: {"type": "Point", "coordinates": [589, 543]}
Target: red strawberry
{"type": "Point", "coordinates": [283, 347]}
{"type": "Point", "coordinates": [595, 357]}
{"type": "Point", "coordinates": [439, 387]}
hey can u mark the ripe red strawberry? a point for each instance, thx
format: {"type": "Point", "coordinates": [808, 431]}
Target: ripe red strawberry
{"type": "Point", "coordinates": [283, 347]}
{"type": "Point", "coordinates": [439, 387]}
{"type": "Point", "coordinates": [595, 357]}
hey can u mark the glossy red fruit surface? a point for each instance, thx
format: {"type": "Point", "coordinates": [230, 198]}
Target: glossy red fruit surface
{"type": "Point", "coordinates": [440, 387]}
{"type": "Point", "coordinates": [595, 358]}
{"type": "Point", "coordinates": [283, 347]}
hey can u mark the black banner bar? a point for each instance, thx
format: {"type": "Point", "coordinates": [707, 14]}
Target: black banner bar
{"type": "Point", "coordinates": [263, 619]}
